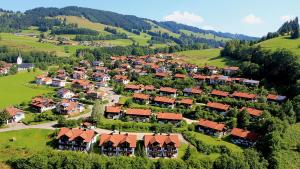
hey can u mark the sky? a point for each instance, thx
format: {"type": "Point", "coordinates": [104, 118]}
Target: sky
{"type": "Point", "coordinates": [252, 17]}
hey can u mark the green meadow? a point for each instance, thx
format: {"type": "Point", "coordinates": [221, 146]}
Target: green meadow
{"type": "Point", "coordinates": [16, 89]}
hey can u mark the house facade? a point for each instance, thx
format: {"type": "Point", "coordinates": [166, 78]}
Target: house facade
{"type": "Point", "coordinates": [41, 104]}
{"type": "Point", "coordinates": [243, 137]}
{"type": "Point", "coordinates": [16, 115]}
{"type": "Point", "coordinates": [138, 115]}
{"type": "Point", "coordinates": [112, 112]}
{"type": "Point", "coordinates": [67, 107]}
{"type": "Point", "coordinates": [211, 128]}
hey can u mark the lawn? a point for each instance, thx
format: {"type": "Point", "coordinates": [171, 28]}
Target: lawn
{"type": "Point", "coordinates": [283, 42]}
{"type": "Point", "coordinates": [26, 142]}
{"type": "Point", "coordinates": [195, 153]}
{"type": "Point", "coordinates": [16, 89]}
{"type": "Point", "coordinates": [207, 56]}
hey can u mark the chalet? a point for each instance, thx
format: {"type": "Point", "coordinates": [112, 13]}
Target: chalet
{"type": "Point", "coordinates": [141, 98]}
{"type": "Point", "coordinates": [96, 95]}
{"type": "Point", "coordinates": [211, 128]}
{"type": "Point", "coordinates": [173, 118]}
{"type": "Point", "coordinates": [243, 95]}
{"type": "Point", "coordinates": [82, 84]}
{"type": "Point", "coordinates": [121, 79]}
{"type": "Point", "coordinates": [243, 137]}
{"type": "Point", "coordinates": [101, 77]}
{"type": "Point", "coordinates": [112, 112]}
{"type": "Point", "coordinates": [164, 101]}
{"type": "Point", "coordinates": [211, 69]}
{"type": "Point", "coordinates": [161, 75]}
{"type": "Point", "coordinates": [133, 88]}
{"type": "Point", "coordinates": [219, 107]}
{"type": "Point", "coordinates": [65, 93]}
{"type": "Point", "coordinates": [138, 115]}
{"type": "Point", "coordinates": [192, 91]}
{"type": "Point", "coordinates": [251, 82]}
{"type": "Point", "coordinates": [62, 75]}
{"type": "Point", "coordinates": [76, 139]}
{"type": "Point", "coordinates": [276, 98]}
{"type": "Point", "coordinates": [58, 83]}
{"type": "Point", "coordinates": [66, 107]}
{"type": "Point", "coordinates": [149, 88]}
{"type": "Point", "coordinates": [179, 76]}
{"type": "Point", "coordinates": [16, 115]}
{"type": "Point", "coordinates": [41, 104]}
{"type": "Point", "coordinates": [230, 70]}
{"type": "Point", "coordinates": [120, 71]}
{"type": "Point", "coordinates": [84, 63]}
{"type": "Point", "coordinates": [168, 91]}
{"type": "Point", "coordinates": [97, 63]}
{"type": "Point", "coordinates": [117, 144]}
{"type": "Point", "coordinates": [219, 93]}
{"type": "Point", "coordinates": [100, 69]}
{"type": "Point", "coordinates": [186, 102]}
{"type": "Point", "coordinates": [201, 79]}
{"type": "Point", "coordinates": [87, 125]}
{"type": "Point", "coordinates": [161, 145]}
{"type": "Point", "coordinates": [42, 80]}
{"type": "Point", "coordinates": [254, 113]}
{"type": "Point", "coordinates": [79, 75]}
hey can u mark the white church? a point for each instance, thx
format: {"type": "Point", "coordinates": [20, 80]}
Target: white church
{"type": "Point", "coordinates": [23, 66]}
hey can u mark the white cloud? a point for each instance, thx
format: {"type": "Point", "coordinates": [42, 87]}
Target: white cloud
{"type": "Point", "coordinates": [285, 18]}
{"type": "Point", "coordinates": [251, 19]}
{"type": "Point", "coordinates": [185, 18]}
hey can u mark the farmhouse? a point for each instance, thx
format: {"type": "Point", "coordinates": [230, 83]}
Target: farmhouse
{"type": "Point", "coordinates": [76, 139]}
{"type": "Point", "coordinates": [65, 93]}
{"type": "Point", "coordinates": [112, 112]}
{"type": "Point", "coordinates": [164, 101]}
{"type": "Point", "coordinates": [173, 118]}
{"type": "Point", "coordinates": [138, 115]}
{"type": "Point", "coordinates": [219, 107]}
{"type": "Point", "coordinates": [121, 79]}
{"type": "Point", "coordinates": [246, 96]}
{"type": "Point", "coordinates": [117, 144]}
{"type": "Point", "coordinates": [243, 137]}
{"type": "Point", "coordinates": [168, 91]}
{"type": "Point", "coordinates": [141, 98]}
{"type": "Point", "coordinates": [82, 84]}
{"type": "Point", "coordinates": [211, 128]}
{"type": "Point", "coordinates": [41, 104]}
{"type": "Point", "coordinates": [161, 145]}
{"type": "Point", "coordinates": [42, 80]}
{"type": "Point", "coordinates": [16, 115]}
{"type": "Point", "coordinates": [66, 107]}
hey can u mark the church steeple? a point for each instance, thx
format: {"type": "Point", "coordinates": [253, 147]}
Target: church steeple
{"type": "Point", "coordinates": [19, 59]}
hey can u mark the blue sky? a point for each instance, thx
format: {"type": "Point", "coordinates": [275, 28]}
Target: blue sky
{"type": "Point", "coordinates": [254, 17]}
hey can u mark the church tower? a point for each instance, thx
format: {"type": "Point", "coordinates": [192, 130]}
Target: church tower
{"type": "Point", "coordinates": [19, 60]}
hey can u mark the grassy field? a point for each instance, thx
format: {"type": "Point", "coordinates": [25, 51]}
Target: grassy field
{"type": "Point", "coordinates": [206, 36]}
{"type": "Point", "coordinates": [283, 42]}
{"type": "Point", "coordinates": [207, 56]}
{"type": "Point", "coordinates": [16, 89]}
{"type": "Point", "coordinates": [289, 157]}
{"type": "Point", "coordinates": [26, 142]}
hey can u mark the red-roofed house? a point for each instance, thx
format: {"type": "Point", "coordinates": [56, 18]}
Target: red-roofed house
{"type": "Point", "coordinates": [41, 104]}
{"type": "Point", "coordinates": [121, 79]}
{"type": "Point", "coordinates": [230, 70]}
{"type": "Point", "coordinates": [112, 112]}
{"type": "Point", "coordinates": [133, 88]}
{"type": "Point", "coordinates": [211, 128]}
{"type": "Point", "coordinates": [66, 107]}
{"type": "Point", "coordinates": [275, 98]}
{"type": "Point", "coordinates": [218, 107]}
{"type": "Point", "coordinates": [179, 76]}
{"type": "Point", "coordinates": [16, 115]}
{"type": "Point", "coordinates": [173, 118]}
{"type": "Point", "coordinates": [161, 145]}
{"type": "Point", "coordinates": [243, 137]}
{"type": "Point", "coordinates": [254, 113]}
{"type": "Point", "coordinates": [243, 95]}
{"type": "Point", "coordinates": [138, 115]}
{"type": "Point", "coordinates": [82, 84]}
{"type": "Point", "coordinates": [168, 91]}
{"type": "Point", "coordinates": [219, 93]}
{"type": "Point", "coordinates": [76, 139]}
{"type": "Point", "coordinates": [186, 102]}
{"type": "Point", "coordinates": [164, 101]}
{"type": "Point", "coordinates": [141, 98]}
{"type": "Point", "coordinates": [149, 88]}
{"type": "Point", "coordinates": [192, 91]}
{"type": "Point", "coordinates": [161, 75]}
{"type": "Point", "coordinates": [117, 144]}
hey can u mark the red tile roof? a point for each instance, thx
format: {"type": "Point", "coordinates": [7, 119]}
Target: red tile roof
{"type": "Point", "coordinates": [244, 95]}
{"type": "Point", "coordinates": [211, 124]}
{"type": "Point", "coordinates": [219, 93]}
{"type": "Point", "coordinates": [161, 74]}
{"type": "Point", "coordinates": [168, 90]}
{"type": "Point", "coordinates": [149, 87]}
{"type": "Point", "coordinates": [118, 139]}
{"type": "Point", "coordinates": [162, 140]}
{"type": "Point", "coordinates": [120, 77]}
{"type": "Point", "coordinates": [113, 109]}
{"type": "Point", "coordinates": [132, 87]}
{"type": "Point", "coordinates": [253, 111]}
{"type": "Point", "coordinates": [181, 76]}
{"type": "Point", "coordinates": [13, 111]}
{"type": "Point", "coordinates": [169, 116]}
{"type": "Point", "coordinates": [164, 99]}
{"type": "Point", "coordinates": [200, 77]}
{"type": "Point", "coordinates": [138, 112]}
{"type": "Point", "coordinates": [141, 96]}
{"type": "Point", "coordinates": [186, 101]}
{"type": "Point", "coordinates": [42, 102]}
{"type": "Point", "coordinates": [233, 68]}
{"type": "Point", "coordinates": [219, 106]}
{"type": "Point", "coordinates": [73, 133]}
{"type": "Point", "coordinates": [237, 132]}
{"type": "Point", "coordinates": [82, 82]}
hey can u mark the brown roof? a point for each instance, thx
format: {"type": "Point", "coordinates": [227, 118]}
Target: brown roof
{"type": "Point", "coordinates": [118, 139]}
{"type": "Point", "coordinates": [244, 95]}
{"type": "Point", "coordinates": [162, 140]}
{"type": "Point", "coordinates": [141, 96]}
{"type": "Point", "coordinates": [211, 124]}
{"type": "Point", "coordinates": [112, 109]}
{"type": "Point", "coordinates": [237, 132]}
{"type": "Point", "coordinates": [132, 87]}
{"type": "Point", "coordinates": [120, 77]}
{"type": "Point", "coordinates": [164, 99]}
{"type": "Point", "coordinates": [138, 112]}
{"type": "Point", "coordinates": [168, 90]}
{"type": "Point", "coordinates": [200, 77]}
{"type": "Point", "coordinates": [253, 111]}
{"type": "Point", "coordinates": [219, 93]}
{"type": "Point", "coordinates": [219, 106]}
{"type": "Point", "coordinates": [186, 101]}
{"type": "Point", "coordinates": [149, 87]}
{"type": "Point", "coordinates": [82, 82]}
{"type": "Point", "coordinates": [68, 105]}
{"type": "Point", "coordinates": [73, 133]}
{"type": "Point", "coordinates": [169, 116]}
{"type": "Point", "coordinates": [161, 74]}
{"type": "Point", "coordinates": [233, 68]}
{"type": "Point", "coordinates": [182, 76]}
{"type": "Point", "coordinates": [13, 111]}
{"type": "Point", "coordinates": [42, 102]}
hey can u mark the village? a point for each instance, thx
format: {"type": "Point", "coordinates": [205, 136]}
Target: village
{"type": "Point", "coordinates": [146, 103]}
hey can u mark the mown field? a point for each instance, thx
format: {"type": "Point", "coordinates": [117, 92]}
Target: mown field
{"type": "Point", "coordinates": [207, 56]}
{"type": "Point", "coordinates": [283, 42]}
{"type": "Point", "coordinates": [16, 89]}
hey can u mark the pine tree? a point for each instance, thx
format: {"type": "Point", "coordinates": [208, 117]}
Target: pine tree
{"type": "Point", "coordinates": [243, 119]}
{"type": "Point", "coordinates": [187, 153]}
{"type": "Point", "coordinates": [295, 31]}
